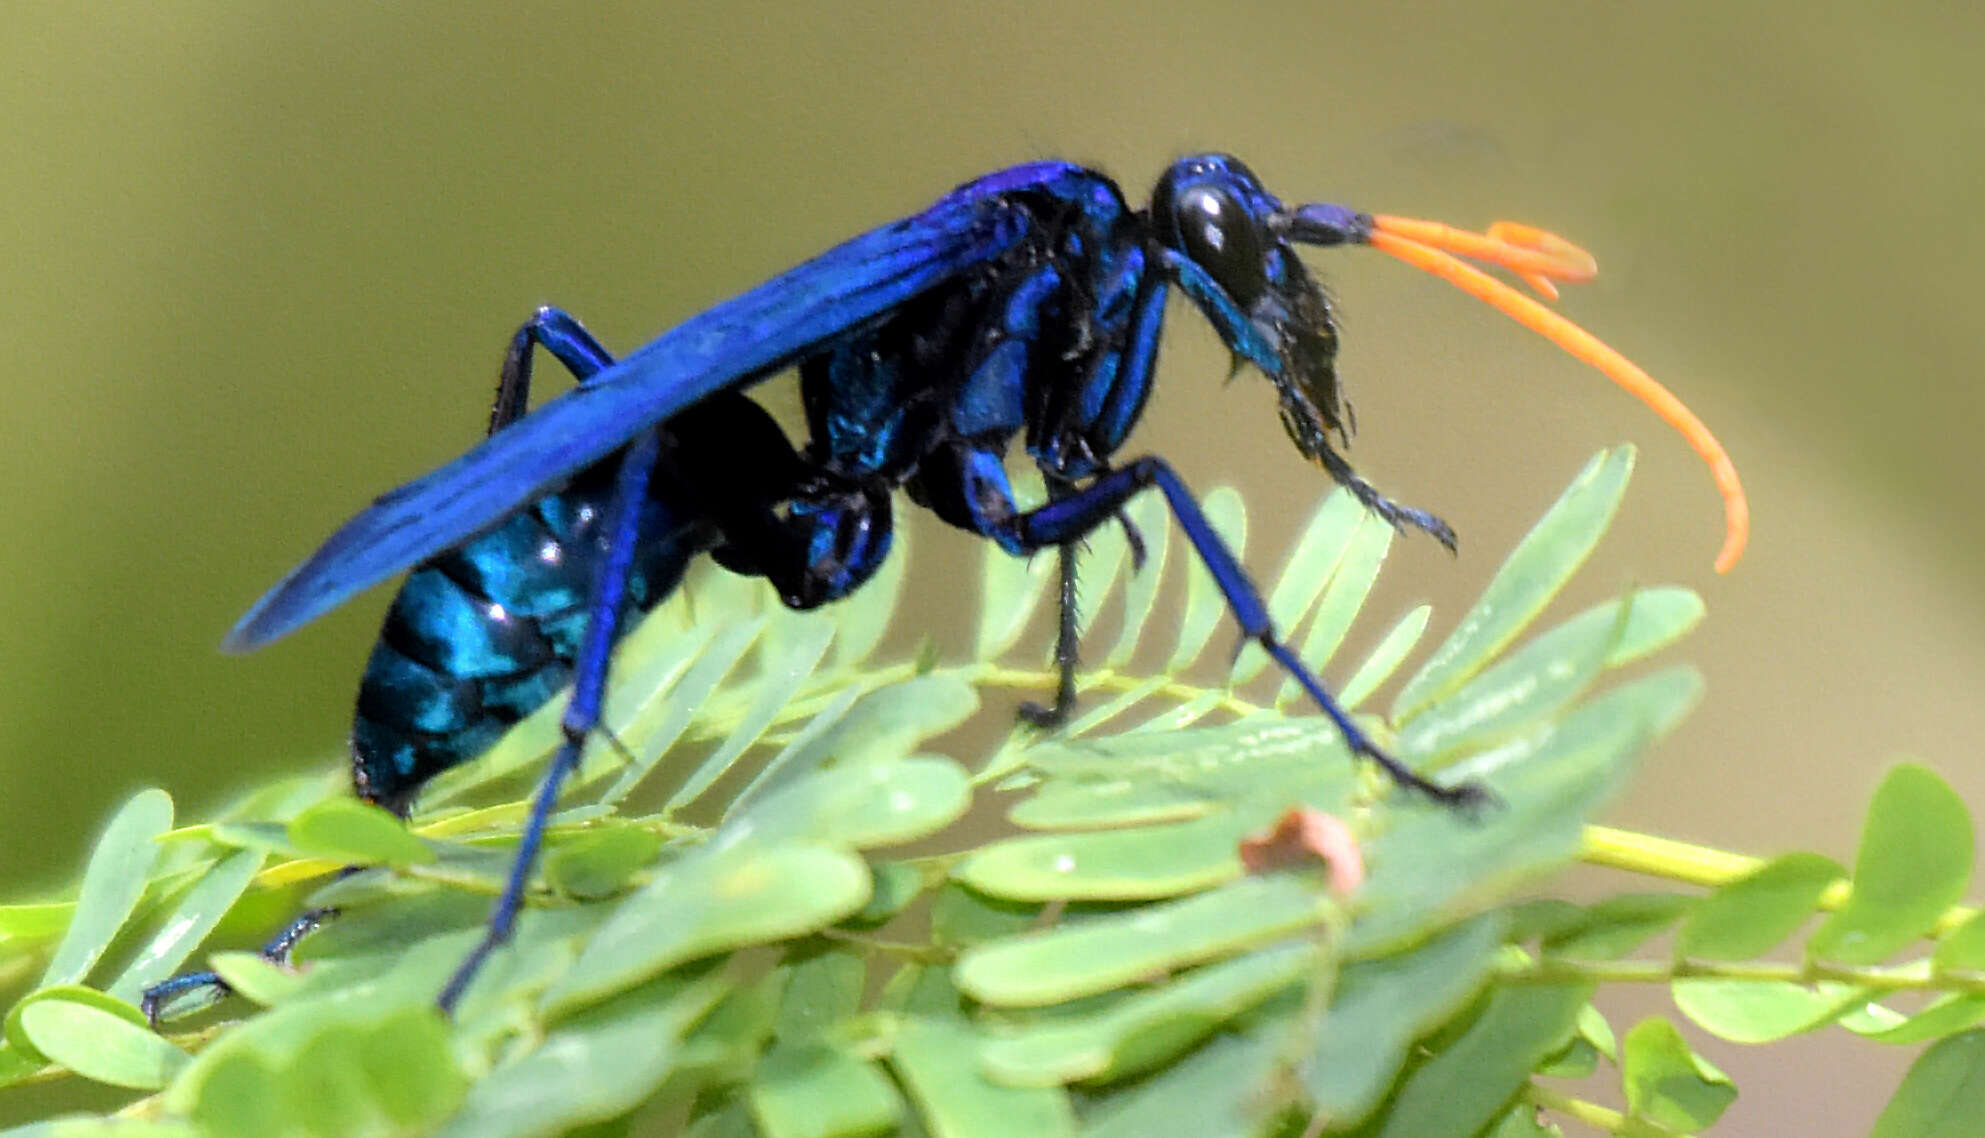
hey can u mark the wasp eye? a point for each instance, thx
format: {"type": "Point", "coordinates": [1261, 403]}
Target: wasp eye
{"type": "Point", "coordinates": [1217, 233]}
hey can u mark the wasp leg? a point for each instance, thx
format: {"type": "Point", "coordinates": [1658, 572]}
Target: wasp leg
{"type": "Point", "coordinates": [556, 331]}
{"type": "Point", "coordinates": [1067, 629]}
{"type": "Point", "coordinates": [582, 713]}
{"type": "Point", "coordinates": [1067, 648]}
{"type": "Point", "coordinates": [981, 486]}
{"type": "Point", "coordinates": [160, 996]}
{"type": "Point", "coordinates": [1398, 516]}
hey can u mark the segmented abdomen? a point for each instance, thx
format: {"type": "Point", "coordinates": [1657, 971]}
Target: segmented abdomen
{"type": "Point", "coordinates": [485, 634]}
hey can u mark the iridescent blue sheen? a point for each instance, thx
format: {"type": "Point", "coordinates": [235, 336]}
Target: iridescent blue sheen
{"type": "Point", "coordinates": [1025, 306]}
{"type": "Point", "coordinates": [489, 632]}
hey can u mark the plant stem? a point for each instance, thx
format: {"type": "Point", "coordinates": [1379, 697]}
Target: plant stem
{"type": "Point", "coordinates": [1915, 976]}
{"type": "Point", "coordinates": [1709, 867]}
{"type": "Point", "coordinates": [1592, 1114]}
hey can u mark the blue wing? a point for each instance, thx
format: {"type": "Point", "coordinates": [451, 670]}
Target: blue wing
{"type": "Point", "coordinates": [735, 343]}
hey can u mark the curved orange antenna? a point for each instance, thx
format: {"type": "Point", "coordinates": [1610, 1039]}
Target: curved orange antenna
{"type": "Point", "coordinates": [1516, 233]}
{"type": "Point", "coordinates": [1540, 258]}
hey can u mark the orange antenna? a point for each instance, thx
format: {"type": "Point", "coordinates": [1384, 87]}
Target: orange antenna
{"type": "Point", "coordinates": [1540, 259]}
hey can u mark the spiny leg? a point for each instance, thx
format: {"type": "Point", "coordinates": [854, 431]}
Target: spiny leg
{"type": "Point", "coordinates": [1066, 520]}
{"type": "Point", "coordinates": [568, 341]}
{"type": "Point", "coordinates": [1067, 628]}
{"type": "Point", "coordinates": [582, 713]}
{"type": "Point", "coordinates": [1393, 513]}
{"type": "Point", "coordinates": [557, 332]}
{"type": "Point", "coordinates": [1068, 634]}
{"type": "Point", "coordinates": [160, 995]}
{"type": "Point", "coordinates": [1067, 647]}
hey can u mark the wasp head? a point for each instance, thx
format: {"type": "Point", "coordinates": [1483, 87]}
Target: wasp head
{"type": "Point", "coordinates": [1228, 244]}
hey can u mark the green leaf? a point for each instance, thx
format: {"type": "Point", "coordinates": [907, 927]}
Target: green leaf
{"type": "Point", "coordinates": [407, 1068]}
{"type": "Point", "coordinates": [1101, 803]}
{"type": "Point", "coordinates": [349, 998]}
{"type": "Point", "coordinates": [803, 750]}
{"type": "Point", "coordinates": [817, 1091]}
{"type": "Point", "coordinates": [1463, 1087]}
{"type": "Point", "coordinates": [357, 833]}
{"type": "Point", "coordinates": [1549, 672]}
{"type": "Point", "coordinates": [887, 723]}
{"type": "Point", "coordinates": [1310, 566]}
{"type": "Point", "coordinates": [196, 915]}
{"type": "Point", "coordinates": [1668, 1084]}
{"type": "Point", "coordinates": [708, 902]}
{"type": "Point", "coordinates": [1541, 918]}
{"type": "Point", "coordinates": [862, 617]}
{"type": "Point", "coordinates": [1342, 600]}
{"type": "Point", "coordinates": [1425, 867]}
{"type": "Point", "coordinates": [240, 1099]}
{"type": "Point", "coordinates": [1102, 713]}
{"type": "Point", "coordinates": [1947, 1015]}
{"type": "Point", "coordinates": [1135, 864]}
{"type": "Point", "coordinates": [1611, 928]}
{"type": "Point", "coordinates": [1656, 618]}
{"type": "Point", "coordinates": [727, 1044]}
{"type": "Point", "coordinates": [1215, 1092]}
{"type": "Point", "coordinates": [1108, 952]}
{"type": "Point", "coordinates": [1011, 589]}
{"type": "Point", "coordinates": [1749, 916]}
{"type": "Point", "coordinates": [599, 863]}
{"type": "Point", "coordinates": [100, 1045]}
{"type": "Point", "coordinates": [787, 666]}
{"type": "Point", "coordinates": [21, 1043]}
{"type": "Point", "coordinates": [897, 886]}
{"type": "Point", "coordinates": [1750, 1011]}
{"type": "Point", "coordinates": [1381, 1006]}
{"type": "Point", "coordinates": [859, 806]}
{"type": "Point", "coordinates": [1577, 1059]}
{"type": "Point", "coordinates": [30, 923]}
{"type": "Point", "coordinates": [1580, 1057]}
{"type": "Point", "coordinates": [112, 885]}
{"type": "Point", "coordinates": [1914, 863]}
{"type": "Point", "coordinates": [1153, 518]}
{"type": "Point", "coordinates": [1943, 1096]}
{"type": "Point", "coordinates": [1146, 776]}
{"type": "Point", "coordinates": [1146, 1029]}
{"type": "Point", "coordinates": [392, 1074]}
{"type": "Point", "coordinates": [269, 838]}
{"type": "Point", "coordinates": [1102, 557]}
{"type": "Point", "coordinates": [1204, 606]}
{"type": "Point", "coordinates": [961, 917]}
{"type": "Point", "coordinates": [1185, 714]}
{"type": "Point", "coordinates": [726, 1118]}
{"type": "Point", "coordinates": [822, 989]}
{"type": "Point", "coordinates": [1964, 947]}
{"type": "Point", "coordinates": [1385, 659]}
{"type": "Point", "coordinates": [285, 797]}
{"type": "Point", "coordinates": [656, 730]}
{"type": "Point", "coordinates": [1534, 573]}
{"type": "Point", "coordinates": [85, 1126]}
{"type": "Point", "coordinates": [939, 1063]}
{"type": "Point", "coordinates": [595, 1067]}
{"type": "Point", "coordinates": [1593, 1028]}
{"type": "Point", "coordinates": [1522, 1120]}
{"type": "Point", "coordinates": [255, 977]}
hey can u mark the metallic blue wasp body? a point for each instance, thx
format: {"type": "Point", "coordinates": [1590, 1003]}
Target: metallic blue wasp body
{"type": "Point", "coordinates": [1024, 306]}
{"type": "Point", "coordinates": [1048, 328]}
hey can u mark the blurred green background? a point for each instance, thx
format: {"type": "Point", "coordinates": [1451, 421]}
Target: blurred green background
{"type": "Point", "coordinates": [259, 263]}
